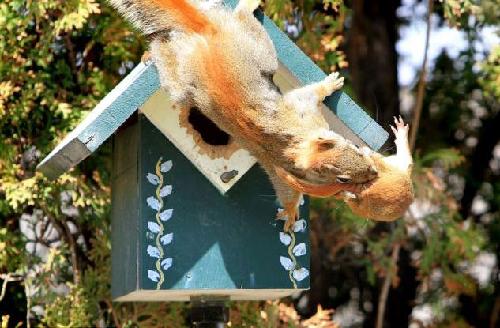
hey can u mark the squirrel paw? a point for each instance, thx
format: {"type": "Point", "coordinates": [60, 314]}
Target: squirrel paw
{"type": "Point", "coordinates": [146, 57]}
{"type": "Point", "coordinates": [335, 81]}
{"type": "Point", "coordinates": [400, 129]}
{"type": "Point", "coordinates": [290, 214]}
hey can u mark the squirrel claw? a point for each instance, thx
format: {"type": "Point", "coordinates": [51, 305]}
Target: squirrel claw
{"type": "Point", "coordinates": [400, 126]}
{"type": "Point", "coordinates": [291, 215]}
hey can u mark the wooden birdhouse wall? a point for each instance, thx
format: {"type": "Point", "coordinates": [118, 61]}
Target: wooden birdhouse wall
{"type": "Point", "coordinates": [176, 236]}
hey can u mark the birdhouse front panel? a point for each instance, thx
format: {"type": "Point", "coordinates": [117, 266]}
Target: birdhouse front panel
{"type": "Point", "coordinates": [193, 240]}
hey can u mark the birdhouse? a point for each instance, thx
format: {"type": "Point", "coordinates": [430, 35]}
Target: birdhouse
{"type": "Point", "coordinates": [192, 213]}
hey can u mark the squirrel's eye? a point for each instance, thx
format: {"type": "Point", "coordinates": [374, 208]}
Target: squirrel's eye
{"type": "Point", "coordinates": [343, 179]}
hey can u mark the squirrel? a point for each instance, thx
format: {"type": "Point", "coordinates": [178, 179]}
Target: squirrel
{"type": "Point", "coordinates": [222, 62]}
{"type": "Point", "coordinates": [388, 196]}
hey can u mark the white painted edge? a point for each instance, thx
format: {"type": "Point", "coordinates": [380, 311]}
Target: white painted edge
{"type": "Point", "coordinates": [91, 117]}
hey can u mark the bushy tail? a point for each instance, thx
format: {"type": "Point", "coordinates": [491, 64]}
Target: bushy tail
{"type": "Point", "coordinates": [152, 16]}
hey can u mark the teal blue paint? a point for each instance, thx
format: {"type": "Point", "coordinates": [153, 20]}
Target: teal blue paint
{"type": "Point", "coordinates": [119, 110]}
{"type": "Point", "coordinates": [219, 241]}
{"type": "Point", "coordinates": [217, 277]}
{"type": "Point", "coordinates": [124, 212]}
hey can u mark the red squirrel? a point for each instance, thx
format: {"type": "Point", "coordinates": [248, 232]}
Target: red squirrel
{"type": "Point", "coordinates": [387, 197]}
{"type": "Point", "coordinates": [222, 62]}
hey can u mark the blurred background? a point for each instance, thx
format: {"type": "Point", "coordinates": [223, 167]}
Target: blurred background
{"type": "Point", "coordinates": [437, 63]}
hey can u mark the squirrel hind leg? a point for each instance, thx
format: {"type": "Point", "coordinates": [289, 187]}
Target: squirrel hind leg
{"type": "Point", "coordinates": [288, 198]}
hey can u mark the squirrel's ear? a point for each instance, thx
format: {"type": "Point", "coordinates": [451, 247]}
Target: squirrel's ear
{"type": "Point", "coordinates": [324, 144]}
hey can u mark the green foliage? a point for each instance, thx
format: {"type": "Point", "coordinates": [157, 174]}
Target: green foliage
{"type": "Point", "coordinates": [320, 33]}
{"type": "Point", "coordinates": [490, 79]}
{"type": "Point", "coordinates": [448, 158]}
{"type": "Point", "coordinates": [457, 11]}
{"type": "Point", "coordinates": [59, 58]}
{"type": "Point", "coordinates": [12, 256]}
{"type": "Point", "coordinates": [72, 310]}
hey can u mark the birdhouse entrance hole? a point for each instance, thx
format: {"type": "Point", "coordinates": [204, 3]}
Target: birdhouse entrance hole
{"type": "Point", "coordinates": [208, 131]}
{"type": "Point", "coordinates": [210, 140]}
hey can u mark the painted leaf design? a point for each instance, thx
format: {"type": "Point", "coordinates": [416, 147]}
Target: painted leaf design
{"type": "Point", "coordinates": [166, 215]}
{"type": "Point", "coordinates": [300, 274]}
{"type": "Point", "coordinates": [300, 249]}
{"type": "Point", "coordinates": [166, 166]}
{"type": "Point", "coordinates": [285, 238]}
{"type": "Point", "coordinates": [153, 275]}
{"type": "Point", "coordinates": [153, 227]}
{"type": "Point", "coordinates": [299, 226]}
{"type": "Point", "coordinates": [153, 251]}
{"type": "Point", "coordinates": [167, 239]}
{"type": "Point", "coordinates": [165, 191]}
{"type": "Point", "coordinates": [153, 178]}
{"type": "Point", "coordinates": [153, 203]}
{"type": "Point", "coordinates": [286, 263]}
{"type": "Point", "coordinates": [166, 263]}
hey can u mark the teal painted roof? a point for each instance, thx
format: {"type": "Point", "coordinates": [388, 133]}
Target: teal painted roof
{"type": "Point", "coordinates": [143, 81]}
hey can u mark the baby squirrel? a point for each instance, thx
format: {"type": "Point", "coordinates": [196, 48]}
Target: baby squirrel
{"type": "Point", "coordinates": [388, 196]}
{"type": "Point", "coordinates": [222, 62]}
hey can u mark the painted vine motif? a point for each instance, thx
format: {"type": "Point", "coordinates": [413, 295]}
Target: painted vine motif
{"type": "Point", "coordinates": [290, 264]}
{"type": "Point", "coordinates": [156, 227]}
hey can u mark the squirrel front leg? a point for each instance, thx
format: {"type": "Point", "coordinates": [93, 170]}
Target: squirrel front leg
{"type": "Point", "coordinates": [289, 199]}
{"type": "Point", "coordinates": [307, 98]}
{"type": "Point", "coordinates": [329, 85]}
{"type": "Point", "coordinates": [403, 153]}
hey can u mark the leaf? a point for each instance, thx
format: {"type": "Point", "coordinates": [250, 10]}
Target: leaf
{"type": "Point", "coordinates": [299, 226]}
{"type": "Point", "coordinates": [285, 238]}
{"type": "Point", "coordinates": [153, 275]}
{"type": "Point", "coordinates": [166, 215]}
{"type": "Point", "coordinates": [166, 166]}
{"type": "Point", "coordinates": [299, 250]}
{"type": "Point", "coordinates": [166, 263]}
{"type": "Point", "coordinates": [286, 263]}
{"type": "Point", "coordinates": [167, 239]}
{"type": "Point", "coordinates": [449, 158]}
{"type": "Point", "coordinates": [153, 203]}
{"type": "Point", "coordinates": [300, 274]}
{"type": "Point", "coordinates": [153, 179]}
{"type": "Point", "coordinates": [154, 227]}
{"type": "Point", "coordinates": [153, 251]}
{"type": "Point", "coordinates": [165, 191]}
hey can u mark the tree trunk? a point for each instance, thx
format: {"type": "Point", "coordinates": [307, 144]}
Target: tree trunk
{"type": "Point", "coordinates": [480, 159]}
{"type": "Point", "coordinates": [371, 52]}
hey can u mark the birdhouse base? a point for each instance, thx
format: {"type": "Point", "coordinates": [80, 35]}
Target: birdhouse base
{"type": "Point", "coordinates": [186, 295]}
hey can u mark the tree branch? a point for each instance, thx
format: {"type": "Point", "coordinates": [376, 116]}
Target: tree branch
{"type": "Point", "coordinates": [488, 138]}
{"type": "Point", "coordinates": [65, 234]}
{"type": "Point", "coordinates": [9, 277]}
{"type": "Point", "coordinates": [417, 113]}
{"type": "Point", "coordinates": [387, 283]}
{"type": "Point", "coordinates": [417, 110]}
